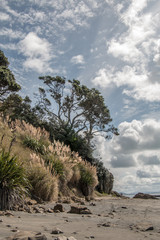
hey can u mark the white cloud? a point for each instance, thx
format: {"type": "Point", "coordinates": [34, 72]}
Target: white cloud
{"type": "Point", "coordinates": [123, 161]}
{"type": "Point", "coordinates": [37, 52]}
{"type": "Point", "coordinates": [5, 6]}
{"type": "Point", "coordinates": [149, 160]}
{"type": "Point", "coordinates": [11, 33]}
{"type": "Point", "coordinates": [135, 152]}
{"type": "Point", "coordinates": [79, 59]}
{"type": "Point", "coordinates": [75, 13]}
{"type": "Point", "coordinates": [136, 82]}
{"type": "Point", "coordinates": [125, 50]}
{"type": "Point", "coordinates": [136, 48]}
{"type": "Point", "coordinates": [4, 16]}
{"type": "Point", "coordinates": [9, 46]}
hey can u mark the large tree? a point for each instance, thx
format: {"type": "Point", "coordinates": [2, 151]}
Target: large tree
{"type": "Point", "coordinates": [7, 81]}
{"type": "Point", "coordinates": [76, 106]}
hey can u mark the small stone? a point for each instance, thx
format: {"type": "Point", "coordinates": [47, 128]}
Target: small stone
{"type": "Point", "coordinates": [92, 204]}
{"type": "Point", "coordinates": [56, 231]}
{"type": "Point", "coordinates": [71, 238]}
{"type": "Point", "coordinates": [8, 214]}
{"type": "Point", "coordinates": [1, 220]}
{"type": "Point", "coordinates": [104, 225]}
{"type": "Point", "coordinates": [31, 202]}
{"type": "Point", "coordinates": [15, 230]}
{"type": "Point", "coordinates": [61, 238]}
{"type": "Point", "coordinates": [37, 210]}
{"type": "Point", "coordinates": [57, 211]}
{"type": "Point", "coordinates": [49, 210]}
{"type": "Point", "coordinates": [143, 227]}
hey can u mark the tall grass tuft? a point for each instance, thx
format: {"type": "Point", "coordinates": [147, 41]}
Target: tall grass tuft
{"type": "Point", "coordinates": [13, 181]}
{"type": "Point", "coordinates": [44, 184]}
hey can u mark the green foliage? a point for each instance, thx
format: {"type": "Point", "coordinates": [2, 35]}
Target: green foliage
{"type": "Point", "coordinates": [86, 175]}
{"type": "Point", "coordinates": [88, 179]}
{"type": "Point", "coordinates": [13, 181]}
{"type": "Point", "coordinates": [34, 144]}
{"type": "Point", "coordinates": [70, 138]}
{"type": "Point", "coordinates": [56, 166]}
{"type": "Point", "coordinates": [11, 106]}
{"type": "Point", "coordinates": [79, 108]}
{"type": "Point", "coordinates": [7, 81]}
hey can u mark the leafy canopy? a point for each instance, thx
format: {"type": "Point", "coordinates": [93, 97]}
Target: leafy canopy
{"type": "Point", "coordinates": [75, 106]}
{"type": "Point", "coordinates": [7, 81]}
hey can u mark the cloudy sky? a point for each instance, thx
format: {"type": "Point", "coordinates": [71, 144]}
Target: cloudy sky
{"type": "Point", "coordinates": [112, 45]}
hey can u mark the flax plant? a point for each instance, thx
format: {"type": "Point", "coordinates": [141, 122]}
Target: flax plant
{"type": "Point", "coordinates": [13, 181]}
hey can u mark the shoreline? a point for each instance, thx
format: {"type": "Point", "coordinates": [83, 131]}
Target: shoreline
{"type": "Point", "coordinates": [111, 218]}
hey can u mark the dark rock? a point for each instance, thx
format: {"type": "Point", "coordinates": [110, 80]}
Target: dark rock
{"type": "Point", "coordinates": [144, 196]}
{"type": "Point", "coordinates": [56, 231]}
{"type": "Point", "coordinates": [64, 238]}
{"type": "Point", "coordinates": [24, 235]}
{"type": "Point", "coordinates": [79, 210]}
{"type": "Point", "coordinates": [105, 179]}
{"type": "Point", "coordinates": [104, 225]}
{"type": "Point", "coordinates": [38, 210]}
{"type": "Point", "coordinates": [78, 200]}
{"type": "Point", "coordinates": [58, 207]}
{"type": "Point", "coordinates": [8, 214]}
{"type": "Point", "coordinates": [31, 202]}
{"type": "Point", "coordinates": [8, 225]}
{"type": "Point", "coordinates": [49, 210]}
{"type": "Point", "coordinates": [92, 204]}
{"type": "Point", "coordinates": [144, 227]}
{"type": "Point", "coordinates": [15, 230]}
{"type": "Point", "coordinates": [116, 194]}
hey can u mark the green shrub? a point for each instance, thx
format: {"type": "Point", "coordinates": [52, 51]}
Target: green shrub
{"type": "Point", "coordinates": [13, 181]}
{"type": "Point", "coordinates": [88, 178]}
{"type": "Point", "coordinates": [34, 144]}
{"type": "Point", "coordinates": [55, 164]}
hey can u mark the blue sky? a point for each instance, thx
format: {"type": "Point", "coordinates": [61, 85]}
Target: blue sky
{"type": "Point", "coordinates": [112, 45]}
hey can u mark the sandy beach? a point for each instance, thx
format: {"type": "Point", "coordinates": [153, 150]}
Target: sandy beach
{"type": "Point", "coordinates": [111, 218]}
